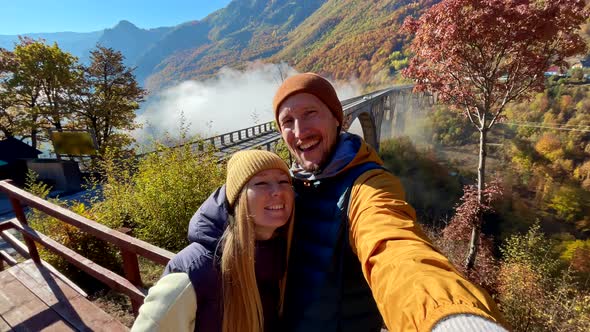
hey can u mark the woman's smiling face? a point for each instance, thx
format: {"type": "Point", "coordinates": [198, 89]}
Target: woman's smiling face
{"type": "Point", "coordinates": [270, 201]}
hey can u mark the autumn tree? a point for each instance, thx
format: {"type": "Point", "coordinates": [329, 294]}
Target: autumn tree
{"type": "Point", "coordinates": [456, 234]}
{"type": "Point", "coordinates": [10, 114]}
{"type": "Point", "coordinates": [21, 92]}
{"type": "Point", "coordinates": [50, 72]}
{"type": "Point", "coordinates": [479, 55]}
{"type": "Point", "coordinates": [110, 97]}
{"type": "Point", "coordinates": [37, 81]}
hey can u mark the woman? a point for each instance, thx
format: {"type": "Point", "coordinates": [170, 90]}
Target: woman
{"type": "Point", "coordinates": [231, 276]}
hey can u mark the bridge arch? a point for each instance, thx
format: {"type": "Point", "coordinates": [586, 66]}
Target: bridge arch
{"type": "Point", "coordinates": [368, 127]}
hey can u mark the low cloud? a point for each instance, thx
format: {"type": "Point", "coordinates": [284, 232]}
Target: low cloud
{"type": "Point", "coordinates": [233, 99]}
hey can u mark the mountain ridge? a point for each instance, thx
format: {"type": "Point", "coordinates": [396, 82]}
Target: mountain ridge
{"type": "Point", "coordinates": [342, 39]}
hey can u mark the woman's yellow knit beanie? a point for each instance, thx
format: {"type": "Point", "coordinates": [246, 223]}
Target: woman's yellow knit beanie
{"type": "Point", "coordinates": [243, 165]}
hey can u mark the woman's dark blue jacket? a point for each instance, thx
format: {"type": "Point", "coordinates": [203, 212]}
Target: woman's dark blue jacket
{"type": "Point", "coordinates": [201, 258]}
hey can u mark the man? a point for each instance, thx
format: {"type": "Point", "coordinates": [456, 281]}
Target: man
{"type": "Point", "coordinates": [357, 253]}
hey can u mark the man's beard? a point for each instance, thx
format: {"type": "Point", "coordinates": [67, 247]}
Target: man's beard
{"type": "Point", "coordinates": [315, 168]}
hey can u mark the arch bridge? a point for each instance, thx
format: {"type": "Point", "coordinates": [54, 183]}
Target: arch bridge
{"type": "Point", "coordinates": [382, 114]}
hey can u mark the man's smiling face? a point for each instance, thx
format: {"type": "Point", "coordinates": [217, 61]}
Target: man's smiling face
{"type": "Point", "coordinates": [309, 129]}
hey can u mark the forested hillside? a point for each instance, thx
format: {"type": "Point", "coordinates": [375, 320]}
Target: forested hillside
{"type": "Point", "coordinates": [341, 39]}
{"type": "Point", "coordinates": [243, 31]}
{"type": "Point", "coordinates": [535, 251]}
{"type": "Point", "coordinates": [353, 38]}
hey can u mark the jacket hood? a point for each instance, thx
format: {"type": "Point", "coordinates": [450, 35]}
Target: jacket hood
{"type": "Point", "coordinates": [209, 222]}
{"type": "Point", "coordinates": [351, 150]}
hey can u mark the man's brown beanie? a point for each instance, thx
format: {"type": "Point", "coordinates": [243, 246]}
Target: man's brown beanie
{"type": "Point", "coordinates": [308, 83]}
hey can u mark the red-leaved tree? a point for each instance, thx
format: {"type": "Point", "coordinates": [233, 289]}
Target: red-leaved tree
{"type": "Point", "coordinates": [458, 232]}
{"type": "Point", "coordinates": [479, 55]}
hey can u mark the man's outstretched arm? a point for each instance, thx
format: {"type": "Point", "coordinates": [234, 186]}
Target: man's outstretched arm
{"type": "Point", "coordinates": [414, 285]}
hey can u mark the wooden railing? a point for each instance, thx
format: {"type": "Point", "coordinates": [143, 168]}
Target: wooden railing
{"type": "Point", "coordinates": [130, 247]}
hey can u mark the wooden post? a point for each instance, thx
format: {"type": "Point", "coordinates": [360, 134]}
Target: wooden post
{"type": "Point", "coordinates": [20, 216]}
{"type": "Point", "coordinates": [131, 269]}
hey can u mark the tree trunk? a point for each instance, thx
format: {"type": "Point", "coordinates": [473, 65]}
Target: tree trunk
{"type": "Point", "coordinates": [57, 124]}
{"type": "Point", "coordinates": [473, 243]}
{"type": "Point", "coordinates": [34, 138]}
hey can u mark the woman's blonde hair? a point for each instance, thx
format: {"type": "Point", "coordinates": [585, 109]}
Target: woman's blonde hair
{"type": "Point", "coordinates": [242, 306]}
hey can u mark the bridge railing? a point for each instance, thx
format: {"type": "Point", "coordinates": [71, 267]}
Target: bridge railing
{"type": "Point", "coordinates": [234, 137]}
{"type": "Point", "coordinates": [130, 247]}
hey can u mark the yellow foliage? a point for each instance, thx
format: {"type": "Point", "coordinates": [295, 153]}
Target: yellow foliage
{"type": "Point", "coordinates": [549, 146]}
{"type": "Point", "coordinates": [572, 246]}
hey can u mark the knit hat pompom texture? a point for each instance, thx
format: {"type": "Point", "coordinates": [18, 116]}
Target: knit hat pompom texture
{"type": "Point", "coordinates": [308, 83]}
{"type": "Point", "coordinates": [243, 165]}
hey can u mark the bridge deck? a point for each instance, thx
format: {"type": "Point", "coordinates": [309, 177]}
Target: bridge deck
{"type": "Point", "coordinates": [261, 139]}
{"type": "Point", "coordinates": [35, 298]}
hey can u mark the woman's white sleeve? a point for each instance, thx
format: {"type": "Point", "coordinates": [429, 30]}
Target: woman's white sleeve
{"type": "Point", "coordinates": [171, 305]}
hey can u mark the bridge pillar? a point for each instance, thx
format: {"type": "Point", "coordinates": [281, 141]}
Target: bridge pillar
{"type": "Point", "coordinates": [368, 125]}
{"type": "Point", "coordinates": [401, 112]}
{"type": "Point", "coordinates": [377, 117]}
{"type": "Point", "coordinates": [388, 118]}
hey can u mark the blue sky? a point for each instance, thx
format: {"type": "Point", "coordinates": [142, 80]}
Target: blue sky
{"type": "Point", "coordinates": [27, 16]}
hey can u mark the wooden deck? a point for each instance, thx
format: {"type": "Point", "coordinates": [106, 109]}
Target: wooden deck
{"type": "Point", "coordinates": [34, 297]}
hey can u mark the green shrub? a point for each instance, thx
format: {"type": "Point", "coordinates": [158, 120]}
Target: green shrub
{"type": "Point", "coordinates": [157, 195]}
{"type": "Point", "coordinates": [569, 203]}
{"type": "Point", "coordinates": [449, 128]}
{"type": "Point", "coordinates": [536, 292]}
{"type": "Point", "coordinates": [283, 151]}
{"type": "Point", "coordinates": [431, 187]}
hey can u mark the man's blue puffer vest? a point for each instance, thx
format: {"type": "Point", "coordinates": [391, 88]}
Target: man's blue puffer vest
{"type": "Point", "coordinates": [326, 290]}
